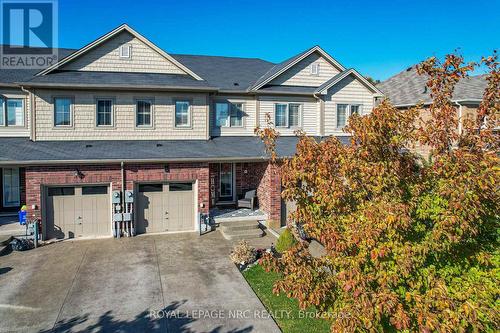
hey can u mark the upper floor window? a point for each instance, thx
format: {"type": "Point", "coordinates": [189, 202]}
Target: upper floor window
{"type": "Point", "coordinates": [12, 112]}
{"type": "Point", "coordinates": [344, 111]}
{"type": "Point", "coordinates": [182, 116]}
{"type": "Point", "coordinates": [104, 112]}
{"type": "Point", "coordinates": [126, 51]}
{"type": "Point", "coordinates": [287, 115]}
{"type": "Point", "coordinates": [228, 114]}
{"type": "Point", "coordinates": [315, 68]}
{"type": "Point", "coordinates": [144, 111]}
{"type": "Point", "coordinates": [62, 111]}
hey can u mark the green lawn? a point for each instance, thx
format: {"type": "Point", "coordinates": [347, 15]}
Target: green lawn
{"type": "Point", "coordinates": [285, 311]}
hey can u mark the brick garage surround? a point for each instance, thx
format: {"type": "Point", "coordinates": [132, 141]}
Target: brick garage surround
{"type": "Point", "coordinates": [39, 176]}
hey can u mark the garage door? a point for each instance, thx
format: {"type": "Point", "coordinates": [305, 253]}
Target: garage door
{"type": "Point", "coordinates": [82, 211]}
{"type": "Point", "coordinates": [165, 207]}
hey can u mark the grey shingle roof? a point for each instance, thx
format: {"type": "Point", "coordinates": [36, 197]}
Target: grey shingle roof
{"type": "Point", "coordinates": [116, 79]}
{"type": "Point", "coordinates": [408, 88]}
{"type": "Point", "coordinates": [22, 150]}
{"type": "Point", "coordinates": [10, 76]}
{"type": "Point", "coordinates": [224, 72]}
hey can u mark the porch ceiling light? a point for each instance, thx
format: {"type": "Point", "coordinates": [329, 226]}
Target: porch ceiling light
{"type": "Point", "coordinates": [78, 174]}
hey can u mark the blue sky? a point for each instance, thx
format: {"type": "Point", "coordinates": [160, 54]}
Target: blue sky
{"type": "Point", "coordinates": [379, 38]}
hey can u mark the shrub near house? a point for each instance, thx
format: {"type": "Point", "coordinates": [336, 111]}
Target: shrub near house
{"type": "Point", "coordinates": [411, 245]}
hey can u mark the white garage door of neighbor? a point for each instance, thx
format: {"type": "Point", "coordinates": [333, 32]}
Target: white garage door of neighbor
{"type": "Point", "coordinates": [165, 207]}
{"type": "Point", "coordinates": [78, 211]}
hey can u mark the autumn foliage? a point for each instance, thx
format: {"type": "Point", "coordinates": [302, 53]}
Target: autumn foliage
{"type": "Point", "coordinates": [412, 243]}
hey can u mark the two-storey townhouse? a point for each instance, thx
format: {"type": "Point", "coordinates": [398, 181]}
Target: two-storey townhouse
{"type": "Point", "coordinates": [178, 130]}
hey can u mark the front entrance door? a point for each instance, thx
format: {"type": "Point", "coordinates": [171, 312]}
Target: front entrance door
{"type": "Point", "coordinates": [226, 182]}
{"type": "Point", "coordinates": [10, 187]}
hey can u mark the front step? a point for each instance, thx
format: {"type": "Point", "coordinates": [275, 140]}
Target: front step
{"type": "Point", "coordinates": [243, 234]}
{"type": "Point", "coordinates": [228, 227]}
{"type": "Point", "coordinates": [238, 230]}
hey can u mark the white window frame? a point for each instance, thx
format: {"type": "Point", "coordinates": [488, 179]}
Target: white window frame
{"type": "Point", "coordinates": [125, 54]}
{"type": "Point", "coordinates": [287, 115]}
{"type": "Point", "coordinates": [229, 114]}
{"type": "Point", "coordinates": [70, 111]}
{"type": "Point", "coordinates": [315, 68]}
{"type": "Point", "coordinates": [348, 112]}
{"type": "Point", "coordinates": [151, 112]}
{"type": "Point", "coordinates": [189, 121]}
{"type": "Point", "coordinates": [4, 182]}
{"type": "Point", "coordinates": [4, 110]}
{"type": "Point", "coordinates": [99, 99]}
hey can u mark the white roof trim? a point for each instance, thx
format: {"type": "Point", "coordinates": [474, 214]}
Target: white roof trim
{"type": "Point", "coordinates": [123, 27]}
{"type": "Point", "coordinates": [323, 90]}
{"type": "Point", "coordinates": [317, 48]}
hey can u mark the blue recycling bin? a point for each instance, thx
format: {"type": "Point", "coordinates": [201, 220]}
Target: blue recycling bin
{"type": "Point", "coordinates": [22, 217]}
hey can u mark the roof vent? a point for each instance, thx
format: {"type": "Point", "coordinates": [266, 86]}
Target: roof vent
{"type": "Point", "coordinates": [425, 90]}
{"type": "Point", "coordinates": [159, 145]}
{"type": "Point", "coordinates": [88, 145]}
{"type": "Point", "coordinates": [409, 68]}
{"type": "Point", "coordinates": [236, 84]}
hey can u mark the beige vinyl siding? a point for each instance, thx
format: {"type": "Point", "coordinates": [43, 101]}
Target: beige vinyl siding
{"type": "Point", "coordinates": [84, 116]}
{"type": "Point", "coordinates": [310, 109]}
{"type": "Point", "coordinates": [106, 57]}
{"type": "Point", "coordinates": [249, 116]}
{"type": "Point", "coordinates": [347, 91]}
{"type": "Point", "coordinates": [300, 74]}
{"type": "Point", "coordinates": [16, 131]}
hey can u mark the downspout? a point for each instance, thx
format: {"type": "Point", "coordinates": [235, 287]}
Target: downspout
{"type": "Point", "coordinates": [123, 203]}
{"type": "Point", "coordinates": [32, 122]}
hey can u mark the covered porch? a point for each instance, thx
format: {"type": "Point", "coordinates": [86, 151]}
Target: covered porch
{"type": "Point", "coordinates": [229, 182]}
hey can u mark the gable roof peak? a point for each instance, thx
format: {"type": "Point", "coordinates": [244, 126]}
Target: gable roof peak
{"type": "Point", "coordinates": [340, 76]}
{"type": "Point", "coordinates": [283, 66]}
{"type": "Point", "coordinates": [111, 34]}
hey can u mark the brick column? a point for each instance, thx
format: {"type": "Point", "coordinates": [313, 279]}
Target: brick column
{"type": "Point", "coordinates": [269, 192]}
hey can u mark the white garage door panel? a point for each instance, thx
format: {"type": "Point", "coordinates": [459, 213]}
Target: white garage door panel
{"type": "Point", "coordinates": [165, 207]}
{"type": "Point", "coordinates": [74, 212]}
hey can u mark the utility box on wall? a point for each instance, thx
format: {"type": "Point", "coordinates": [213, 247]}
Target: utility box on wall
{"type": "Point", "coordinates": [129, 196]}
{"type": "Point", "coordinates": [116, 197]}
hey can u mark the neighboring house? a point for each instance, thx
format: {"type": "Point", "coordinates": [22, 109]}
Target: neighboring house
{"type": "Point", "coordinates": [408, 89]}
{"type": "Point", "coordinates": [122, 114]}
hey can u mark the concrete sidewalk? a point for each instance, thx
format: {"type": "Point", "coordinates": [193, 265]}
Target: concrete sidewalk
{"type": "Point", "coordinates": [9, 226]}
{"type": "Point", "coordinates": [164, 283]}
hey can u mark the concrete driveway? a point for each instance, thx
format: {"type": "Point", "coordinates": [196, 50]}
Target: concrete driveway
{"type": "Point", "coordinates": [163, 283]}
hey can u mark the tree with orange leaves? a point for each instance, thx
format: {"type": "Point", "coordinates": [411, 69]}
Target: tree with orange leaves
{"type": "Point", "coordinates": [411, 245]}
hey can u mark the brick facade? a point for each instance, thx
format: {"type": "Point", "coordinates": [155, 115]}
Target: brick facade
{"type": "Point", "coordinates": [269, 192]}
{"type": "Point", "coordinates": [252, 175]}
{"type": "Point", "coordinates": [39, 176]}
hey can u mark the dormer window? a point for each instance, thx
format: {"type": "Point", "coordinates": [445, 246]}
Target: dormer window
{"type": "Point", "coordinates": [125, 51]}
{"type": "Point", "coordinates": [315, 69]}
